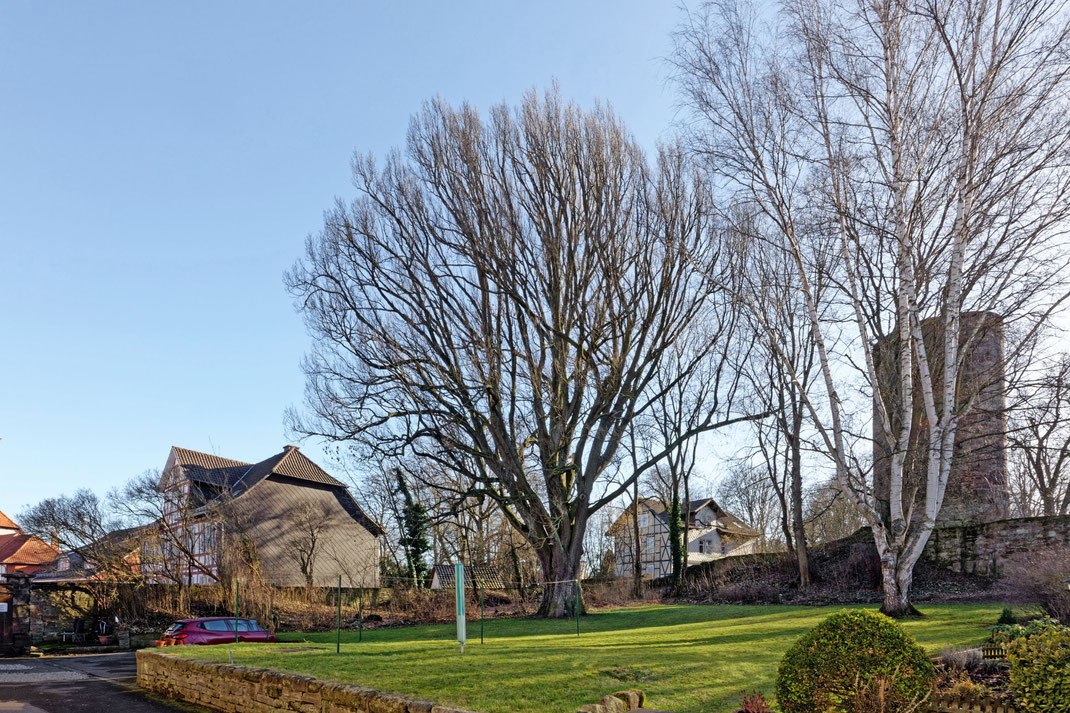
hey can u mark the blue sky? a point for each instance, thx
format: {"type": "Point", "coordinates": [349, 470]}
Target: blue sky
{"type": "Point", "coordinates": [161, 165]}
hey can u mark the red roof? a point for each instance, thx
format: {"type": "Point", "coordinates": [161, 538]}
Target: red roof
{"type": "Point", "coordinates": [6, 521]}
{"type": "Point", "coordinates": [25, 549]}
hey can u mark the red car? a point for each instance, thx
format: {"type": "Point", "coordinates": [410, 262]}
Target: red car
{"type": "Point", "coordinates": [215, 630]}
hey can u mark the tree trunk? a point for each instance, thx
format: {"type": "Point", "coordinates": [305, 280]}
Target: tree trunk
{"type": "Point", "coordinates": [795, 444]}
{"type": "Point", "coordinates": [637, 552]}
{"type": "Point", "coordinates": [897, 576]}
{"type": "Point", "coordinates": [687, 523]}
{"type": "Point", "coordinates": [675, 537]}
{"type": "Point", "coordinates": [560, 581]}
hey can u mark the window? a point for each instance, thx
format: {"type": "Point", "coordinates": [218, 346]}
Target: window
{"type": "Point", "coordinates": [217, 625]}
{"type": "Point", "coordinates": [64, 563]}
{"type": "Point", "coordinates": [650, 544]}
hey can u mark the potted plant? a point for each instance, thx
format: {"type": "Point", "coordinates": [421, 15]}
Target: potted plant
{"type": "Point", "coordinates": [102, 631]}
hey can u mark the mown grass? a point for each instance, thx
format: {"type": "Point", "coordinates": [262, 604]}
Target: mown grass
{"type": "Point", "coordinates": [686, 658]}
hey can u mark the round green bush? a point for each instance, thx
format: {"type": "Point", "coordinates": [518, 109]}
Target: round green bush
{"type": "Point", "coordinates": [853, 654]}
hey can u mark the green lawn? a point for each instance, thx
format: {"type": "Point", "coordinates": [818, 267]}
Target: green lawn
{"type": "Point", "coordinates": [686, 658]}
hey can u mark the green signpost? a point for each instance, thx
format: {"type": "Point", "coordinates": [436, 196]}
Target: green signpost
{"type": "Point", "coordinates": [577, 607]}
{"type": "Point", "coordinates": [237, 607]}
{"type": "Point", "coordinates": [338, 631]}
{"type": "Point", "coordinates": [458, 572]}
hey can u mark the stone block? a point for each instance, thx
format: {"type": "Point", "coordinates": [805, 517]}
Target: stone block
{"type": "Point", "coordinates": [386, 703]}
{"type": "Point", "coordinates": [419, 706]}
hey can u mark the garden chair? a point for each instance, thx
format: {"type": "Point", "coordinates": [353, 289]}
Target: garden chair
{"type": "Point", "coordinates": [77, 633]}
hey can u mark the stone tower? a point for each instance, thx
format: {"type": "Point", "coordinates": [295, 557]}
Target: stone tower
{"type": "Point", "coordinates": [977, 485]}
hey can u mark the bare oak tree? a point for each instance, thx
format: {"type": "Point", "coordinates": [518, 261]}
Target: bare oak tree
{"type": "Point", "coordinates": [499, 300]}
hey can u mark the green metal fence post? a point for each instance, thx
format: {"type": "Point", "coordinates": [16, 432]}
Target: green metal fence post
{"type": "Point", "coordinates": [481, 591]}
{"type": "Point", "coordinates": [338, 633]}
{"type": "Point", "coordinates": [360, 616]}
{"type": "Point", "coordinates": [237, 606]}
{"type": "Point", "coordinates": [577, 607]}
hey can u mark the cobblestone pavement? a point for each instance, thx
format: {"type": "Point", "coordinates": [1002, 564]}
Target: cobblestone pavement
{"type": "Point", "coordinates": [78, 684]}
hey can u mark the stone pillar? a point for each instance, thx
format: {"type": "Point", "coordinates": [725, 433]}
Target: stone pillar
{"type": "Point", "coordinates": [18, 585]}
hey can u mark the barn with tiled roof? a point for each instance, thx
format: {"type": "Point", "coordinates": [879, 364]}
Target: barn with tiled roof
{"type": "Point", "coordinates": [280, 503]}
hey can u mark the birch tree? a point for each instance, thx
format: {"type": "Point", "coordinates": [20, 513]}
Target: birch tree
{"type": "Point", "coordinates": [926, 142]}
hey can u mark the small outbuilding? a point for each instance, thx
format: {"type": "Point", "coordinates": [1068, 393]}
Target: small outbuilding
{"type": "Point", "coordinates": [475, 577]}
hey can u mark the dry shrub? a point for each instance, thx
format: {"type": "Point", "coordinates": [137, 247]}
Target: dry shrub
{"type": "Point", "coordinates": [881, 695]}
{"type": "Point", "coordinates": [608, 593]}
{"type": "Point", "coordinates": [408, 604]}
{"type": "Point", "coordinates": [1038, 576]}
{"type": "Point", "coordinates": [962, 659]}
{"type": "Point", "coordinates": [958, 682]}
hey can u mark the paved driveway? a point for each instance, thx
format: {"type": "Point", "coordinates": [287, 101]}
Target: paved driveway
{"type": "Point", "coordinates": [78, 684]}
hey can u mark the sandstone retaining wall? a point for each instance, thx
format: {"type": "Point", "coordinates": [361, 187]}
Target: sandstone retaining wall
{"type": "Point", "coordinates": [235, 689]}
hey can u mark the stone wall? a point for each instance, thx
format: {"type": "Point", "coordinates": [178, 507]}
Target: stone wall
{"type": "Point", "coordinates": [224, 687]}
{"type": "Point", "coordinates": [53, 609]}
{"type": "Point", "coordinates": [987, 548]}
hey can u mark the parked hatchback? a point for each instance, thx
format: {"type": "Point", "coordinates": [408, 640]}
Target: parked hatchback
{"type": "Point", "coordinates": [215, 630]}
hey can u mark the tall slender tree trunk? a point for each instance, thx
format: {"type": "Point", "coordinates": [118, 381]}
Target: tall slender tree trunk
{"type": "Point", "coordinates": [687, 522]}
{"type": "Point", "coordinates": [637, 552]}
{"type": "Point", "coordinates": [675, 536]}
{"type": "Point", "coordinates": [795, 445]}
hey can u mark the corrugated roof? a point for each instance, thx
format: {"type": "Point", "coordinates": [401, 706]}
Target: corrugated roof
{"type": "Point", "coordinates": [475, 576]}
{"type": "Point", "coordinates": [273, 511]}
{"type": "Point", "coordinates": [6, 521]}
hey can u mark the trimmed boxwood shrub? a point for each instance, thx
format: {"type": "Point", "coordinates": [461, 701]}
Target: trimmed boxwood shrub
{"type": "Point", "coordinates": [849, 653]}
{"type": "Point", "coordinates": [1040, 670]}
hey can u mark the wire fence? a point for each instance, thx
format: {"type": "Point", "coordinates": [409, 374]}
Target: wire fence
{"type": "Point", "coordinates": [400, 602]}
